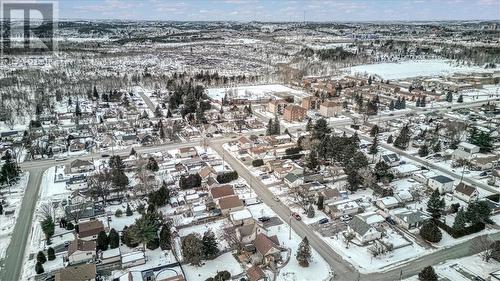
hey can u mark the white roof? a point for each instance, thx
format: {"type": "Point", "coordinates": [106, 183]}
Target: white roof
{"type": "Point", "coordinates": [389, 200]}
{"type": "Point", "coordinates": [467, 145]}
{"type": "Point", "coordinates": [372, 217]}
{"type": "Point", "coordinates": [111, 253]}
{"type": "Point", "coordinates": [406, 168]}
{"type": "Point", "coordinates": [241, 215]}
{"type": "Point", "coordinates": [199, 208]}
{"type": "Point", "coordinates": [134, 256]}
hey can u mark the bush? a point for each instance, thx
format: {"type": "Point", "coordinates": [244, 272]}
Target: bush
{"type": "Point", "coordinates": [428, 274]}
{"type": "Point", "coordinates": [430, 232]}
{"type": "Point", "coordinates": [119, 213]}
{"type": "Point", "coordinates": [51, 254]}
{"type": "Point", "coordinates": [227, 177]}
{"type": "Point", "coordinates": [293, 157]}
{"type": "Point", "coordinates": [257, 162]}
{"type": "Point", "coordinates": [455, 207]}
{"type": "Point", "coordinates": [70, 226]}
{"type": "Point", "coordinates": [40, 257]}
{"type": "Point", "coordinates": [191, 181]}
{"type": "Point", "coordinates": [39, 268]}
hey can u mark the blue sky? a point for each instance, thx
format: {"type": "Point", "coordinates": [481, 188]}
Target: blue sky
{"type": "Point", "coordinates": [281, 10]}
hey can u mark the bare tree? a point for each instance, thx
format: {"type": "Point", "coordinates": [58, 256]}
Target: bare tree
{"type": "Point", "coordinates": [483, 245]}
{"type": "Point", "coordinates": [47, 210]}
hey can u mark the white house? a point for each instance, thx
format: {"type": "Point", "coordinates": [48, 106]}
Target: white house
{"type": "Point", "coordinates": [391, 159]}
{"type": "Point", "coordinates": [466, 192]}
{"type": "Point", "coordinates": [185, 152]}
{"type": "Point", "coordinates": [292, 180]}
{"type": "Point", "coordinates": [363, 231]}
{"type": "Point", "coordinates": [343, 207]}
{"type": "Point", "coordinates": [409, 219]}
{"type": "Point", "coordinates": [386, 203]}
{"type": "Point", "coordinates": [442, 183]}
{"type": "Point", "coordinates": [465, 150]}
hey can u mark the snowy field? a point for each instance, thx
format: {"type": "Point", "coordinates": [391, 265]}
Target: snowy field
{"type": "Point", "coordinates": [254, 92]}
{"type": "Point", "coordinates": [408, 69]}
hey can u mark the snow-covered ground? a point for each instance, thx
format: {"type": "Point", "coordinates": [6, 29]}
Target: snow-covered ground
{"type": "Point", "coordinates": [408, 69]}
{"type": "Point", "coordinates": [464, 269]}
{"type": "Point", "coordinates": [12, 203]}
{"type": "Point", "coordinates": [254, 92]}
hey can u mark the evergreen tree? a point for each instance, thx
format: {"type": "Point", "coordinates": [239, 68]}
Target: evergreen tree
{"type": "Point", "coordinates": [276, 127]}
{"type": "Point", "coordinates": [200, 116]}
{"type": "Point", "coordinates": [423, 150]}
{"type": "Point", "coordinates": [152, 165]}
{"type": "Point", "coordinates": [95, 93]}
{"type": "Point", "coordinates": [169, 113]}
{"type": "Point", "coordinates": [40, 257]}
{"type": "Point", "coordinates": [320, 129]}
{"type": "Point", "coordinates": [460, 221]}
{"type": "Point", "coordinates": [145, 229]}
{"type": "Point", "coordinates": [391, 105]}
{"type": "Point", "coordinates": [132, 151]}
{"type": "Point", "coordinates": [270, 128]}
{"type": "Point", "coordinates": [51, 254]}
{"type": "Point", "coordinates": [10, 170]}
{"type": "Point", "coordinates": [374, 147]}
{"type": "Point", "coordinates": [102, 241]}
{"type": "Point", "coordinates": [437, 147]}
{"type": "Point", "coordinates": [430, 232]}
{"type": "Point", "coordinates": [374, 131]}
{"type": "Point", "coordinates": [158, 112]}
{"type": "Point", "coordinates": [403, 139]}
{"type": "Point", "coordinates": [449, 97]}
{"type": "Point", "coordinates": [114, 239]}
{"type": "Point", "coordinates": [209, 241]}
{"type": "Point", "coordinates": [304, 253]}
{"type": "Point", "coordinates": [129, 212]}
{"type": "Point", "coordinates": [192, 249]}
{"type": "Point", "coordinates": [39, 268]}
{"type": "Point", "coordinates": [460, 99]}
{"type": "Point", "coordinates": [165, 237]}
{"type": "Point", "coordinates": [320, 203]}
{"type": "Point", "coordinates": [312, 161]}
{"type": "Point", "coordinates": [48, 227]}
{"type": "Point", "coordinates": [389, 139]}
{"type": "Point", "coordinates": [435, 205]}
{"type": "Point", "coordinates": [309, 126]}
{"type": "Point", "coordinates": [478, 212]}
{"type": "Point", "coordinates": [428, 274]}
{"type": "Point", "coordinates": [1, 208]}
{"type": "Point", "coordinates": [310, 211]}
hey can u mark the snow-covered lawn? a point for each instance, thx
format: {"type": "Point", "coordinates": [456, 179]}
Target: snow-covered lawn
{"type": "Point", "coordinates": [254, 92]}
{"type": "Point", "coordinates": [408, 69]}
{"type": "Point", "coordinates": [211, 267]}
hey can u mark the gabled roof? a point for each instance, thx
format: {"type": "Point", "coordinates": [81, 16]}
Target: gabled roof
{"type": "Point", "coordinates": [255, 273]}
{"type": "Point", "coordinates": [230, 202]}
{"type": "Point", "coordinates": [359, 226]}
{"type": "Point", "coordinates": [81, 272]}
{"type": "Point", "coordinates": [81, 245]}
{"type": "Point", "coordinates": [264, 243]}
{"type": "Point", "coordinates": [90, 228]}
{"type": "Point", "coordinates": [221, 191]}
{"type": "Point", "coordinates": [465, 189]}
{"type": "Point", "coordinates": [80, 163]}
{"type": "Point", "coordinates": [291, 177]}
{"type": "Point", "coordinates": [411, 216]}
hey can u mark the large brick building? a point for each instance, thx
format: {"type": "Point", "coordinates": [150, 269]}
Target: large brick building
{"type": "Point", "coordinates": [294, 113]}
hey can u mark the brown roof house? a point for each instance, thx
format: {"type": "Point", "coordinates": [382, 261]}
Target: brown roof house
{"type": "Point", "coordinates": [230, 204]}
{"type": "Point", "coordinates": [247, 233]}
{"type": "Point", "coordinates": [466, 192]}
{"type": "Point", "coordinates": [81, 251]}
{"type": "Point", "coordinates": [88, 230]}
{"type": "Point", "coordinates": [267, 248]}
{"type": "Point", "coordinates": [80, 166]}
{"type": "Point", "coordinates": [255, 273]}
{"type": "Point", "coordinates": [187, 152]}
{"type": "Point", "coordinates": [220, 191]}
{"type": "Point", "coordinates": [83, 272]}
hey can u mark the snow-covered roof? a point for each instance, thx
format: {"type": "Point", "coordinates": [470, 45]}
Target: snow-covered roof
{"type": "Point", "coordinates": [241, 215]}
{"type": "Point", "coordinates": [134, 256]}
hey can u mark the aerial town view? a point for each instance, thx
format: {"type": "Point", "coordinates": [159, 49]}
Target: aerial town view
{"type": "Point", "coordinates": [248, 140]}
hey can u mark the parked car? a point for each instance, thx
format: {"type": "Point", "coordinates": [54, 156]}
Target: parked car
{"type": "Point", "coordinates": [390, 221]}
{"type": "Point", "coordinates": [345, 218]}
{"type": "Point", "coordinates": [263, 219]}
{"type": "Point", "coordinates": [104, 155]}
{"type": "Point", "coordinates": [296, 216]}
{"type": "Point", "coordinates": [276, 198]}
{"type": "Point", "coordinates": [323, 221]}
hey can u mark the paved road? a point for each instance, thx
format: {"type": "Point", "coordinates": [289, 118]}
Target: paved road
{"type": "Point", "coordinates": [148, 101]}
{"type": "Point", "coordinates": [15, 252]}
{"type": "Point", "coordinates": [343, 270]}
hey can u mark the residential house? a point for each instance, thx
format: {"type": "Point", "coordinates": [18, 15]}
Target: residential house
{"type": "Point", "coordinates": [404, 170]}
{"type": "Point", "coordinates": [363, 231]}
{"type": "Point", "coordinates": [343, 207]}
{"type": "Point", "coordinates": [409, 219]}
{"type": "Point", "coordinates": [241, 217]}
{"type": "Point", "coordinates": [442, 183]}
{"type": "Point", "coordinates": [111, 256]}
{"type": "Point", "coordinates": [255, 273]}
{"type": "Point", "coordinates": [258, 152]}
{"type": "Point", "coordinates": [129, 139]}
{"type": "Point", "coordinates": [247, 233]}
{"type": "Point", "coordinates": [268, 249]}
{"type": "Point", "coordinates": [90, 229]}
{"type": "Point", "coordinates": [294, 113]}
{"type": "Point", "coordinates": [391, 159]}
{"type": "Point", "coordinates": [80, 166]}
{"type": "Point", "coordinates": [77, 183]}
{"type": "Point", "coordinates": [81, 251]}
{"type": "Point", "coordinates": [245, 143]}
{"type": "Point", "coordinates": [82, 272]}
{"type": "Point", "coordinates": [220, 191]}
{"type": "Point", "coordinates": [133, 259]}
{"type": "Point", "coordinates": [292, 180]}
{"type": "Point", "coordinates": [466, 192]}
{"type": "Point", "coordinates": [330, 108]}
{"type": "Point", "coordinates": [230, 204]}
{"type": "Point", "coordinates": [465, 150]}
{"type": "Point", "coordinates": [403, 196]}
{"type": "Point", "coordinates": [387, 203]}
{"type": "Point", "coordinates": [185, 152]}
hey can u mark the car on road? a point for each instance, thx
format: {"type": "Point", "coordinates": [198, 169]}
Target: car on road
{"type": "Point", "coordinates": [345, 218]}
{"type": "Point", "coordinates": [66, 244]}
{"type": "Point", "coordinates": [390, 221]}
{"type": "Point", "coordinates": [61, 158]}
{"type": "Point", "coordinates": [296, 216]}
{"type": "Point", "coordinates": [275, 198]}
{"type": "Point", "coordinates": [104, 155]}
{"type": "Point", "coordinates": [323, 221]}
{"type": "Point", "coordinates": [264, 219]}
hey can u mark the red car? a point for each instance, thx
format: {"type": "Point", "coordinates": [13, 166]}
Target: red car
{"type": "Point", "coordinates": [296, 216]}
